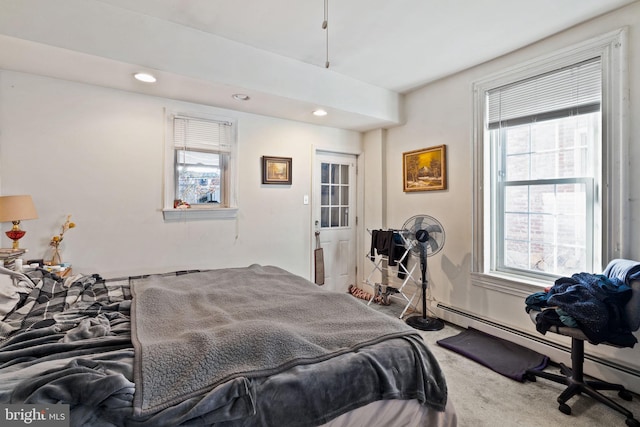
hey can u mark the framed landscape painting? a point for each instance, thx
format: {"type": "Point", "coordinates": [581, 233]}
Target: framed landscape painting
{"type": "Point", "coordinates": [425, 169]}
{"type": "Point", "coordinates": [276, 170]}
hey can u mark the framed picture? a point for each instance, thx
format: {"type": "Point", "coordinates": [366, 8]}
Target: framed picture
{"type": "Point", "coordinates": [425, 169]}
{"type": "Point", "coordinates": [276, 170]}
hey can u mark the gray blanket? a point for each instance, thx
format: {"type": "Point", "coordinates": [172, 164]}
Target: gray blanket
{"type": "Point", "coordinates": [71, 343]}
{"type": "Point", "coordinates": [195, 332]}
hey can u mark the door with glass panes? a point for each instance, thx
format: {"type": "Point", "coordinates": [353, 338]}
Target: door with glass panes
{"type": "Point", "coordinates": [335, 217]}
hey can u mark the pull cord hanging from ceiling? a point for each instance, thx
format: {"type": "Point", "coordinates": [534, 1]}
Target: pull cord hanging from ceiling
{"type": "Point", "coordinates": [325, 27]}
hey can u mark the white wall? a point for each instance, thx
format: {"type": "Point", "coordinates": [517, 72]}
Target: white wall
{"type": "Point", "coordinates": [97, 154]}
{"type": "Point", "coordinates": [441, 113]}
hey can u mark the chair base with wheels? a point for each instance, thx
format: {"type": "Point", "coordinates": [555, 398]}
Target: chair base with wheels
{"type": "Point", "coordinates": [573, 378]}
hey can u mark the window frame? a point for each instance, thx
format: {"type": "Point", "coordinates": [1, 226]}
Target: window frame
{"type": "Point", "coordinates": [612, 236]}
{"type": "Point", "coordinates": [229, 209]}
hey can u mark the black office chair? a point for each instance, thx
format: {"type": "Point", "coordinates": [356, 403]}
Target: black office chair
{"type": "Point", "coordinates": [573, 377]}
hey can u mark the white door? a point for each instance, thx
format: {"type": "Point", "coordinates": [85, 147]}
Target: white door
{"type": "Point", "coordinates": [334, 197]}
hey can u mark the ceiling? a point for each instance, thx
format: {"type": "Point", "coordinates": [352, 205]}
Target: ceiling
{"type": "Point", "coordinates": [275, 51]}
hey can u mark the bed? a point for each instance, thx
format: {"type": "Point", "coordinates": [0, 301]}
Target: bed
{"type": "Point", "coordinates": [229, 347]}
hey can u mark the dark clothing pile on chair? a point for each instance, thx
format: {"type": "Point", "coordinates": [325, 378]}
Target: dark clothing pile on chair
{"type": "Point", "coordinates": [592, 302]}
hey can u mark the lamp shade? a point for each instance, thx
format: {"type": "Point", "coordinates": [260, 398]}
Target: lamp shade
{"type": "Point", "coordinates": [17, 208]}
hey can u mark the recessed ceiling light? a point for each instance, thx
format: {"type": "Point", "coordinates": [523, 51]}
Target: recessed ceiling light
{"type": "Point", "coordinates": [320, 113]}
{"type": "Point", "coordinates": [145, 77]}
{"type": "Point", "coordinates": [241, 97]}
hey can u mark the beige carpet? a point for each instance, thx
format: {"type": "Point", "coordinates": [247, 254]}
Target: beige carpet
{"type": "Point", "coordinates": [484, 398]}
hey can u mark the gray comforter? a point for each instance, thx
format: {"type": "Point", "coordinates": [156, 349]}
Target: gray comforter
{"type": "Point", "coordinates": [195, 363]}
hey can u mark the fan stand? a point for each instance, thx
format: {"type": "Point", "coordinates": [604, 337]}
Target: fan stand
{"type": "Point", "coordinates": [424, 322]}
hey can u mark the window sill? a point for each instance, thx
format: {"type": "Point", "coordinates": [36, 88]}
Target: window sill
{"type": "Point", "coordinates": [509, 283]}
{"type": "Point", "coordinates": [199, 213]}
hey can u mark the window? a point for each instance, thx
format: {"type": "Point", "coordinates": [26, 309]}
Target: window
{"type": "Point", "coordinates": [200, 176]}
{"type": "Point", "coordinates": [548, 159]}
{"type": "Point", "coordinates": [201, 158]}
{"type": "Point", "coordinates": [334, 195]}
{"type": "Point", "coordinates": [546, 153]}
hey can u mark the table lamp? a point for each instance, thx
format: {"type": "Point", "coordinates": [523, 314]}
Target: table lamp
{"type": "Point", "coordinates": [16, 209]}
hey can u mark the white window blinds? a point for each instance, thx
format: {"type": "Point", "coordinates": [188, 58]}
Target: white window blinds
{"type": "Point", "coordinates": [569, 91]}
{"type": "Point", "coordinates": [202, 134]}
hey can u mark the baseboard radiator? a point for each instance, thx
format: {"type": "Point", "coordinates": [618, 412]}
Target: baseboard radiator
{"type": "Point", "coordinates": [594, 365]}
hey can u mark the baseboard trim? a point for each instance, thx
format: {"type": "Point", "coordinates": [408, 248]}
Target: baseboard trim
{"type": "Point", "coordinates": [595, 366]}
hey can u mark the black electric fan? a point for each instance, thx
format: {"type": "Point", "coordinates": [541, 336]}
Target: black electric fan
{"type": "Point", "coordinates": [425, 234]}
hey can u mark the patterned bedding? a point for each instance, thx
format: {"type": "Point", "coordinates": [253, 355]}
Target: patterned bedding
{"type": "Point", "coordinates": [69, 341]}
{"type": "Point", "coordinates": [54, 300]}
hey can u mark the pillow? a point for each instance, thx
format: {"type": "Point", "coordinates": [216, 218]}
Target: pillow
{"type": "Point", "coordinates": [12, 284]}
{"type": "Point", "coordinates": [9, 295]}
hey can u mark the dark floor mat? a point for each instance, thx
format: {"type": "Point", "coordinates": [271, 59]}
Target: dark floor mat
{"type": "Point", "coordinates": [504, 357]}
